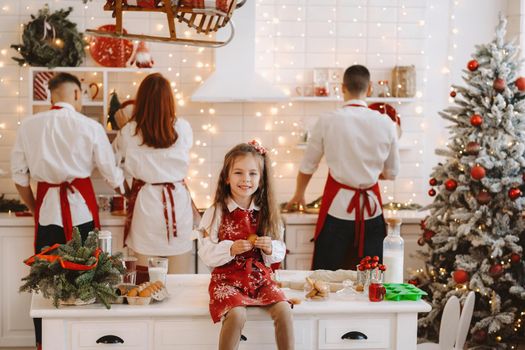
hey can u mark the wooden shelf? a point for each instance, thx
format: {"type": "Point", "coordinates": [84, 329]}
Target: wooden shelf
{"type": "Point", "coordinates": [403, 146]}
{"type": "Point", "coordinates": [84, 104]}
{"type": "Point", "coordinates": [398, 100]}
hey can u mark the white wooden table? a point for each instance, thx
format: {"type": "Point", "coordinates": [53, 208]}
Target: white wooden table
{"type": "Point", "coordinates": [183, 322]}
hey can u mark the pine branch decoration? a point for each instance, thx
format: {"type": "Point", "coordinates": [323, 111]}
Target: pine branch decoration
{"type": "Point", "coordinates": [58, 283]}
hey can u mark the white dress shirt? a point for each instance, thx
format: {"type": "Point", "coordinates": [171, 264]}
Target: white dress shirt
{"type": "Point", "coordinates": [359, 145]}
{"type": "Point", "coordinates": [148, 234]}
{"type": "Point", "coordinates": [60, 145]}
{"type": "Point", "coordinates": [214, 253]}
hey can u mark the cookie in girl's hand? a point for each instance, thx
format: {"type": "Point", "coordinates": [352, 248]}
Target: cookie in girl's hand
{"type": "Point", "coordinates": [252, 238]}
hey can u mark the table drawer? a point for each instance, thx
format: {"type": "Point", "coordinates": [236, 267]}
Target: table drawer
{"type": "Point", "coordinates": [133, 334]}
{"type": "Point", "coordinates": [377, 330]}
{"type": "Point", "coordinates": [184, 335]}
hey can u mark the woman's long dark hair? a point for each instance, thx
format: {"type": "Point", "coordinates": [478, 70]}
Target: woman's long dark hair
{"type": "Point", "coordinates": [154, 112]}
{"type": "Point", "coordinates": [264, 198]}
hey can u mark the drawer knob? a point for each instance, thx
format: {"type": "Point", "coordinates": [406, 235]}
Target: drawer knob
{"type": "Point", "coordinates": [354, 335]}
{"type": "Point", "coordinates": [110, 339]}
{"type": "Point", "coordinates": [243, 337]}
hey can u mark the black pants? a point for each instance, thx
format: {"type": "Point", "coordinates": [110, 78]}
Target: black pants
{"type": "Point", "coordinates": [47, 236]}
{"type": "Point", "coordinates": [334, 247]}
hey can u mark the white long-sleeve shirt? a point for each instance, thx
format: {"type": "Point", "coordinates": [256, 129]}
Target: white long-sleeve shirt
{"type": "Point", "coordinates": [359, 144]}
{"type": "Point", "coordinates": [60, 145]}
{"type": "Point", "coordinates": [148, 234]}
{"type": "Point", "coordinates": [217, 253]}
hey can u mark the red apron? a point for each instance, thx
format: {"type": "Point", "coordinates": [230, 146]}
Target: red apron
{"type": "Point", "coordinates": [330, 191]}
{"type": "Point", "coordinates": [84, 186]}
{"type": "Point", "coordinates": [135, 189]}
{"type": "Point", "coordinates": [246, 280]}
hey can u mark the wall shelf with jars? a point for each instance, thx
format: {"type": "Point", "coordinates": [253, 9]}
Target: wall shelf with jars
{"type": "Point", "coordinates": [398, 100]}
{"type": "Point", "coordinates": [98, 83]}
{"type": "Point", "coordinates": [402, 146]}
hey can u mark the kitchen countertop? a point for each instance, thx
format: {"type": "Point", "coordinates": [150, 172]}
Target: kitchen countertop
{"type": "Point", "coordinates": [406, 216]}
{"type": "Point", "coordinates": [10, 219]}
{"type": "Point", "coordinates": [106, 219]}
{"type": "Point", "coordinates": [189, 297]}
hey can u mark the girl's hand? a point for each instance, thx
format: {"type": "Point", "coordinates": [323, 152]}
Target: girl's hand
{"type": "Point", "coordinates": [265, 244]}
{"type": "Point", "coordinates": [240, 246]}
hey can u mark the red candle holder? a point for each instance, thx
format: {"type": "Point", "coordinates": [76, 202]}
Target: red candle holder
{"type": "Point", "coordinates": [376, 292]}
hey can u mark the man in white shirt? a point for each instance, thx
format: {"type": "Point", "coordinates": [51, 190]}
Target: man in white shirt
{"type": "Point", "coordinates": [59, 149]}
{"type": "Point", "coordinates": [360, 146]}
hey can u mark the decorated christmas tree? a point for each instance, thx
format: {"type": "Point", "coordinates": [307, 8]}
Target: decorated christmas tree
{"type": "Point", "coordinates": [474, 233]}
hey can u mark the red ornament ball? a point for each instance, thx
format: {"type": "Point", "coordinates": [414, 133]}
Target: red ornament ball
{"type": "Point", "coordinates": [483, 197]}
{"type": "Point", "coordinates": [432, 192]}
{"type": "Point", "coordinates": [476, 120]}
{"type": "Point", "coordinates": [427, 235]}
{"type": "Point", "coordinates": [472, 65]}
{"type": "Point", "coordinates": [460, 276]}
{"type": "Point", "coordinates": [453, 93]}
{"type": "Point", "coordinates": [414, 281]}
{"type": "Point", "coordinates": [520, 83]}
{"type": "Point", "coordinates": [451, 184]}
{"type": "Point", "coordinates": [499, 85]}
{"type": "Point", "coordinates": [433, 181]}
{"type": "Point", "coordinates": [477, 172]}
{"type": "Point", "coordinates": [514, 193]}
{"type": "Point", "coordinates": [473, 148]}
{"type": "Point", "coordinates": [496, 271]}
{"type": "Point", "coordinates": [515, 258]}
{"type": "Point", "coordinates": [479, 336]}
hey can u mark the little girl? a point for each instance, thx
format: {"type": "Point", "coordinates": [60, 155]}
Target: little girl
{"type": "Point", "coordinates": [240, 236]}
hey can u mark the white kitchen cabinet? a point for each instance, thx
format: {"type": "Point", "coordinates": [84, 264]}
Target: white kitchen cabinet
{"type": "Point", "coordinates": [183, 322]}
{"type": "Point", "coordinates": [299, 233]}
{"type": "Point", "coordinates": [97, 85]}
{"type": "Point", "coordinates": [16, 245]}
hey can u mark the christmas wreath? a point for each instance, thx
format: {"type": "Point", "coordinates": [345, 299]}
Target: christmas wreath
{"type": "Point", "coordinates": [51, 40]}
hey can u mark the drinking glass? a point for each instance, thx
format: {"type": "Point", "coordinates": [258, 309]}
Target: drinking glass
{"type": "Point", "coordinates": [158, 269]}
{"type": "Point", "coordinates": [130, 263]}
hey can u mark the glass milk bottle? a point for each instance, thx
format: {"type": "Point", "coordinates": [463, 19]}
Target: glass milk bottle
{"type": "Point", "coordinates": [393, 252]}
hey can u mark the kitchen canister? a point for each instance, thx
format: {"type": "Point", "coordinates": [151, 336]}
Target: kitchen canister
{"type": "Point", "coordinates": [404, 81]}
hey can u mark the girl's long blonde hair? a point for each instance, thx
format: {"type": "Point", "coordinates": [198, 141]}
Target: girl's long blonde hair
{"type": "Point", "coordinates": [269, 216]}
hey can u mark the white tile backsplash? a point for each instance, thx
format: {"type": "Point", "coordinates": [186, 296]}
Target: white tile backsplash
{"type": "Point", "coordinates": [307, 34]}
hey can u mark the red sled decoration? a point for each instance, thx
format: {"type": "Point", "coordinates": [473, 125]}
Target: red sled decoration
{"type": "Point", "coordinates": [221, 5]}
{"type": "Point", "coordinates": [143, 3]}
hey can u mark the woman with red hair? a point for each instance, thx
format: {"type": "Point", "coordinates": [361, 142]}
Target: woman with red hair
{"type": "Point", "coordinates": [154, 149]}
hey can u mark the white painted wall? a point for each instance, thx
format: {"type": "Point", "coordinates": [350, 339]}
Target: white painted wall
{"type": "Point", "coordinates": [378, 33]}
